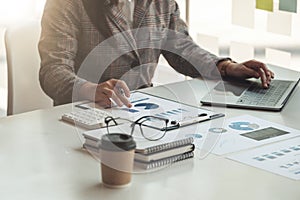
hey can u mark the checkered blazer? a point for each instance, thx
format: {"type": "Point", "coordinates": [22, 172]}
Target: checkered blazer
{"type": "Point", "coordinates": [90, 40]}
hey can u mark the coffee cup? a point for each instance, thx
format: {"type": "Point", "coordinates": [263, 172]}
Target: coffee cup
{"type": "Point", "coordinates": [117, 156]}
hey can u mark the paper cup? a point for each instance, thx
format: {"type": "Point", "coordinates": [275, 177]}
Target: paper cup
{"type": "Point", "coordinates": [117, 156]}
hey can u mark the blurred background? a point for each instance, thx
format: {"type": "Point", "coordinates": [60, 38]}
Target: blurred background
{"type": "Point", "coordinates": [235, 28]}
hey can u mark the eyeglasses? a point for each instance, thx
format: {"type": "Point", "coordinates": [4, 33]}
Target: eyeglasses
{"type": "Point", "coordinates": [150, 127]}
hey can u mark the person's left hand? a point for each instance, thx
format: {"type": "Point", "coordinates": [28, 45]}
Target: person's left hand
{"type": "Point", "coordinates": [250, 69]}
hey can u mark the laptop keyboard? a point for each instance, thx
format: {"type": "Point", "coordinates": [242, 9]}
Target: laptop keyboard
{"type": "Point", "coordinates": [256, 95]}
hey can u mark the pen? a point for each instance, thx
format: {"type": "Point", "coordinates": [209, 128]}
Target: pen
{"type": "Point", "coordinates": [113, 104]}
{"type": "Point", "coordinates": [195, 120]}
{"type": "Point", "coordinates": [123, 98]}
{"type": "Point", "coordinates": [121, 91]}
{"type": "Point", "coordinates": [187, 122]}
{"type": "Point", "coordinates": [216, 115]}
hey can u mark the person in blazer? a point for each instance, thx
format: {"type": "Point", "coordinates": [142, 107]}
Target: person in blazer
{"type": "Point", "coordinates": [91, 50]}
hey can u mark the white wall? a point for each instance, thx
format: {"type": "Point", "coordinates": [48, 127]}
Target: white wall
{"type": "Point", "coordinates": [214, 18]}
{"type": "Point", "coordinates": [3, 76]}
{"type": "Point", "coordinates": [11, 12]}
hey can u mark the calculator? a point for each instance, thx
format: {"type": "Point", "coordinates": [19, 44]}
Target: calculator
{"type": "Point", "coordinates": [92, 118]}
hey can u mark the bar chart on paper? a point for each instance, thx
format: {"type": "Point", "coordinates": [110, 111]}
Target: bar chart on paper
{"type": "Point", "coordinates": [281, 158]}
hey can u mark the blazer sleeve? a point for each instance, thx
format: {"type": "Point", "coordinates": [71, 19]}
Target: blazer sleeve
{"type": "Point", "coordinates": [58, 47]}
{"type": "Point", "coordinates": [183, 54]}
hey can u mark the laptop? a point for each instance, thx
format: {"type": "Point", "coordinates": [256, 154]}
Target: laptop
{"type": "Point", "coordinates": [250, 94]}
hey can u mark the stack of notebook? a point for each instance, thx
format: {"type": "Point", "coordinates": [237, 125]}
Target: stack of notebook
{"type": "Point", "coordinates": [148, 154]}
{"type": "Point", "coordinates": [164, 154]}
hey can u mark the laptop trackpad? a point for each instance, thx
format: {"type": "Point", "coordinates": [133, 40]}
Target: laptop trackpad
{"type": "Point", "coordinates": [233, 87]}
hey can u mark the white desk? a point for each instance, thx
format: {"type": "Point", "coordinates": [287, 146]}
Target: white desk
{"type": "Point", "coordinates": [41, 158]}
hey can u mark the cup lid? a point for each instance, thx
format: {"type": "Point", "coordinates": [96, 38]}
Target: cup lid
{"type": "Point", "coordinates": [117, 142]}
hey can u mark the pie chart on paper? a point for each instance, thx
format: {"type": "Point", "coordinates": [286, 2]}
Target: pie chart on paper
{"type": "Point", "coordinates": [243, 126]}
{"type": "Point", "coordinates": [146, 106]}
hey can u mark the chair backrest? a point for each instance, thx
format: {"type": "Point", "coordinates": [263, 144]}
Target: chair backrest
{"type": "Point", "coordinates": [23, 62]}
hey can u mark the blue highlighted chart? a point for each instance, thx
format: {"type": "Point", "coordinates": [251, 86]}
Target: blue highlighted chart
{"type": "Point", "coordinates": [146, 106]}
{"type": "Point", "coordinates": [130, 110]}
{"type": "Point", "coordinates": [243, 126]}
{"type": "Point", "coordinates": [139, 100]}
{"type": "Point", "coordinates": [170, 113]}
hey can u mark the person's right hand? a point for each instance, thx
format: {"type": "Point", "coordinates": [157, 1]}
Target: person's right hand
{"type": "Point", "coordinates": [103, 93]}
{"type": "Point", "coordinates": [248, 69]}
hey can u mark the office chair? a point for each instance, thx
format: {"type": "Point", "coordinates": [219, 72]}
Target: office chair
{"type": "Point", "coordinates": [23, 62]}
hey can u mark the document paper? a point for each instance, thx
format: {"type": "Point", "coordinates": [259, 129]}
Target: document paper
{"type": "Point", "coordinates": [281, 158]}
{"type": "Point", "coordinates": [245, 132]}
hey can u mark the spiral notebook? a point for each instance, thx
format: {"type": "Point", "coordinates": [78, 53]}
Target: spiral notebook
{"type": "Point", "coordinates": [164, 154]}
{"type": "Point", "coordinates": [173, 147]}
{"type": "Point", "coordinates": [164, 161]}
{"type": "Point", "coordinates": [170, 141]}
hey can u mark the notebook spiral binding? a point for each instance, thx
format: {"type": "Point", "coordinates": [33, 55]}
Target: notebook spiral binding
{"type": "Point", "coordinates": [170, 145]}
{"type": "Point", "coordinates": [165, 161]}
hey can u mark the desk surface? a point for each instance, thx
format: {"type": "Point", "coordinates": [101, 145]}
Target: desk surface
{"type": "Point", "coordinates": [41, 158]}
